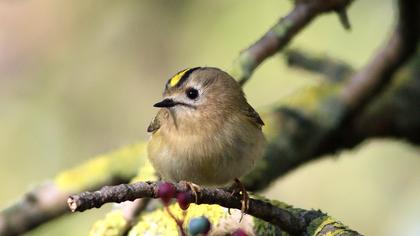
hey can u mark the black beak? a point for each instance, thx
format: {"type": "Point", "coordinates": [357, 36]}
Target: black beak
{"type": "Point", "coordinates": [165, 103]}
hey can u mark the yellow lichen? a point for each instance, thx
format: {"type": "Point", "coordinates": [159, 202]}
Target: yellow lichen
{"type": "Point", "coordinates": [336, 232]}
{"type": "Point", "coordinates": [158, 222]}
{"type": "Point", "coordinates": [317, 226]}
{"type": "Point", "coordinates": [113, 224]}
{"type": "Point", "coordinates": [325, 221]}
{"type": "Point", "coordinates": [122, 163]}
{"type": "Point", "coordinates": [308, 99]}
{"type": "Point", "coordinates": [146, 172]}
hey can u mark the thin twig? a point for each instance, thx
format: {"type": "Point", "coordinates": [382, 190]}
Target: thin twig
{"type": "Point", "coordinates": [334, 69]}
{"type": "Point", "coordinates": [281, 34]}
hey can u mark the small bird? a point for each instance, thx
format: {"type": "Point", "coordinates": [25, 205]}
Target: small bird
{"type": "Point", "coordinates": [205, 133]}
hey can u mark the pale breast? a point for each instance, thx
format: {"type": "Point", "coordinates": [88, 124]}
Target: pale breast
{"type": "Point", "coordinates": [214, 157]}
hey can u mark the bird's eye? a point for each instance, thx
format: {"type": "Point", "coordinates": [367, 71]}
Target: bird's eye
{"type": "Point", "coordinates": [192, 93]}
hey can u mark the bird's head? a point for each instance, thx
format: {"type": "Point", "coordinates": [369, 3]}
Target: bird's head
{"type": "Point", "coordinates": [201, 91]}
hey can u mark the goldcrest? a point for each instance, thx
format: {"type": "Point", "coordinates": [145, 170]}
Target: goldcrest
{"type": "Point", "coordinates": [205, 131]}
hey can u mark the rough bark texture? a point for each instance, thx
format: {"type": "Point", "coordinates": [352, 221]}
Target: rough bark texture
{"type": "Point", "coordinates": [305, 131]}
{"type": "Point", "coordinates": [281, 33]}
{"type": "Point", "coordinates": [293, 221]}
{"type": "Point", "coordinates": [339, 114]}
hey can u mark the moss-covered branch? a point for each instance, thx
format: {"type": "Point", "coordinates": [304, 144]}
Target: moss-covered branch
{"type": "Point", "coordinates": [390, 114]}
{"type": "Point", "coordinates": [332, 68]}
{"type": "Point", "coordinates": [282, 32]}
{"type": "Point", "coordinates": [309, 125]}
{"type": "Point", "coordinates": [48, 201]}
{"type": "Point", "coordinates": [323, 119]}
{"type": "Point", "coordinates": [120, 220]}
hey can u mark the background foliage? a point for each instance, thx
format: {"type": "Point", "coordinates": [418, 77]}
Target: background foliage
{"type": "Point", "coordinates": [78, 78]}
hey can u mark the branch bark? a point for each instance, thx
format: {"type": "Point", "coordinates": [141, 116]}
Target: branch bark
{"type": "Point", "coordinates": [402, 44]}
{"type": "Point", "coordinates": [307, 130]}
{"type": "Point", "coordinates": [293, 222]}
{"type": "Point", "coordinates": [281, 33]}
{"type": "Point", "coordinates": [297, 133]}
{"type": "Point", "coordinates": [333, 69]}
{"type": "Point", "coordinates": [390, 114]}
{"type": "Point", "coordinates": [48, 201]}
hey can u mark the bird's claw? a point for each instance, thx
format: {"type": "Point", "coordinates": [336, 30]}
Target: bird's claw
{"type": "Point", "coordinates": [195, 189]}
{"type": "Point", "coordinates": [239, 188]}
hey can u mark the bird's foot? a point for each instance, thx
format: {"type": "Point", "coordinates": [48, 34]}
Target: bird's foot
{"type": "Point", "coordinates": [195, 189]}
{"type": "Point", "coordinates": [239, 188]}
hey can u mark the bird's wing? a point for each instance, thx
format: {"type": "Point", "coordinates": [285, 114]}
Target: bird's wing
{"type": "Point", "coordinates": [155, 124]}
{"type": "Point", "coordinates": [250, 112]}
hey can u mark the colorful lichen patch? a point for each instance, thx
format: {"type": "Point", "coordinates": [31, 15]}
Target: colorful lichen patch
{"type": "Point", "coordinates": [146, 172]}
{"type": "Point", "coordinates": [159, 222]}
{"type": "Point", "coordinates": [327, 226]}
{"type": "Point", "coordinates": [122, 163]}
{"type": "Point", "coordinates": [113, 224]}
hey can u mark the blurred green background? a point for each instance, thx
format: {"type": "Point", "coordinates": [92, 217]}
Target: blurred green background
{"type": "Point", "coordinates": [78, 78]}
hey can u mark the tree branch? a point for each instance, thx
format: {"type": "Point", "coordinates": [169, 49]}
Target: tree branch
{"type": "Point", "coordinates": [281, 34]}
{"type": "Point", "coordinates": [402, 44]}
{"type": "Point", "coordinates": [388, 115]}
{"type": "Point", "coordinates": [38, 206]}
{"type": "Point", "coordinates": [359, 92]}
{"type": "Point", "coordinates": [48, 201]}
{"type": "Point", "coordinates": [312, 127]}
{"type": "Point", "coordinates": [334, 69]}
{"type": "Point", "coordinates": [126, 213]}
{"type": "Point", "coordinates": [293, 222]}
{"type": "Point", "coordinates": [297, 132]}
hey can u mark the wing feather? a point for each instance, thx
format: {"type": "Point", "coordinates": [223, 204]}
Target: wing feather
{"type": "Point", "coordinates": [250, 112]}
{"type": "Point", "coordinates": [155, 124]}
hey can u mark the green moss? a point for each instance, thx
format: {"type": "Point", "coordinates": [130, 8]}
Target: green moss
{"type": "Point", "coordinates": [317, 226]}
{"type": "Point", "coordinates": [264, 228]}
{"type": "Point", "coordinates": [243, 66]}
{"type": "Point", "coordinates": [282, 28]}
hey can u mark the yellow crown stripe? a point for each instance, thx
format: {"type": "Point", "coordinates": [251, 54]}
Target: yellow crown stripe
{"type": "Point", "coordinates": [175, 80]}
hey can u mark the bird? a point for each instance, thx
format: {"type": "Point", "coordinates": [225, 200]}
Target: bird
{"type": "Point", "coordinates": [205, 132]}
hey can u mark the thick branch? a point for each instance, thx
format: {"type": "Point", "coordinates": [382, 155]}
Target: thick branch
{"type": "Point", "coordinates": [297, 133]}
{"type": "Point", "coordinates": [38, 206]}
{"type": "Point", "coordinates": [306, 130]}
{"type": "Point", "coordinates": [376, 74]}
{"type": "Point", "coordinates": [293, 222]}
{"type": "Point", "coordinates": [361, 90]}
{"type": "Point", "coordinates": [390, 114]}
{"type": "Point", "coordinates": [48, 201]}
{"type": "Point", "coordinates": [281, 34]}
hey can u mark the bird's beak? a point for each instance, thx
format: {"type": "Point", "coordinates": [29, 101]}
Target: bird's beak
{"type": "Point", "coordinates": [167, 102]}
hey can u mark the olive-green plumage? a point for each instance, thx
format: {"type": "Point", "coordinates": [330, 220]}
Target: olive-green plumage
{"type": "Point", "coordinates": [205, 132]}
